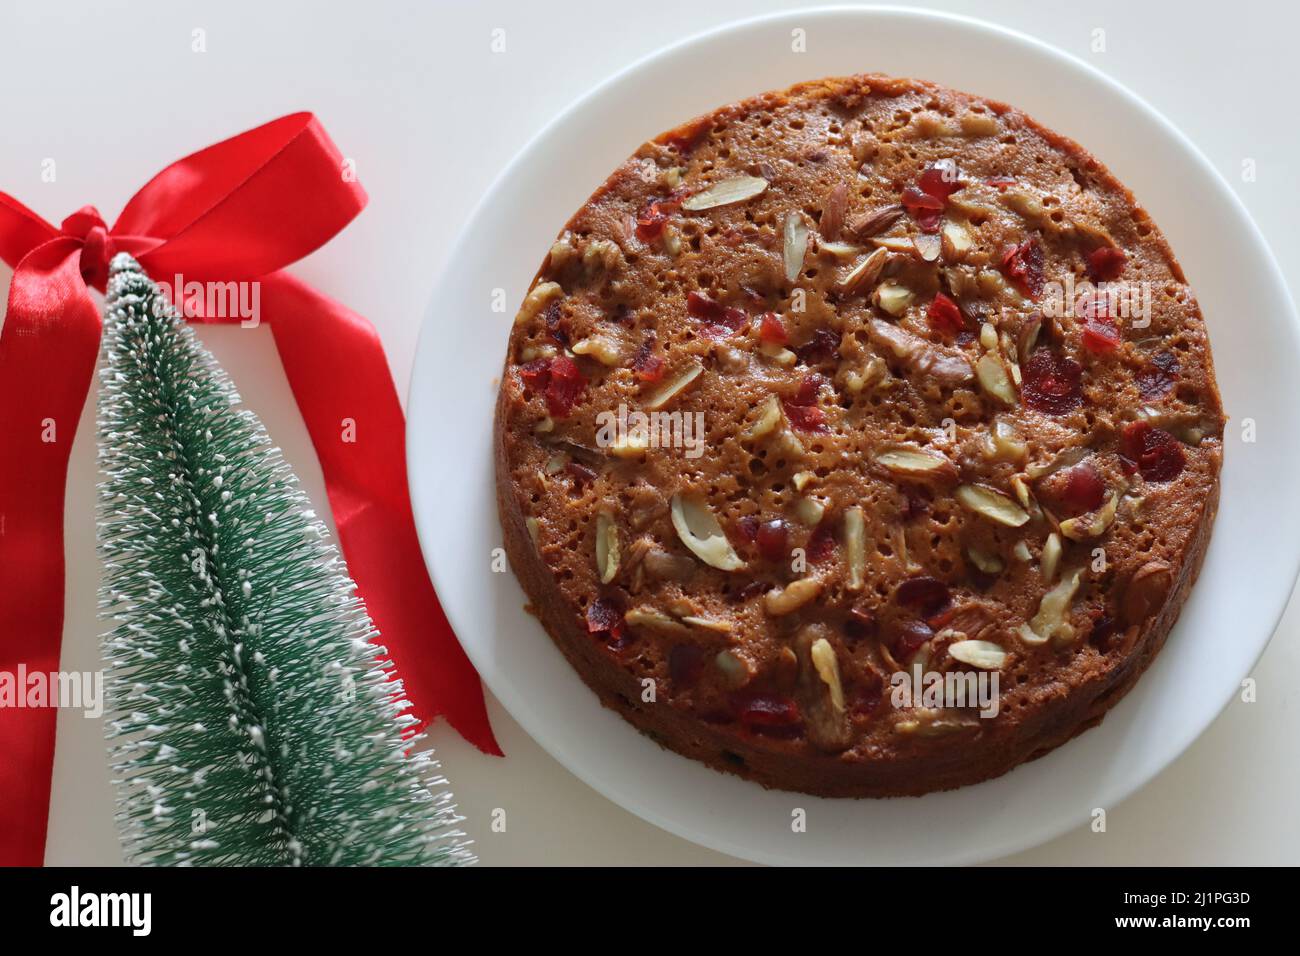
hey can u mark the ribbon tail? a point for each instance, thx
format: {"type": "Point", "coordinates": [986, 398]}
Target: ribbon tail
{"type": "Point", "coordinates": [48, 348]}
{"type": "Point", "coordinates": [335, 365]}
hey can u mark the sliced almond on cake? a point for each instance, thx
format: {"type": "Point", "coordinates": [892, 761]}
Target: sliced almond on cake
{"type": "Point", "coordinates": [821, 691]}
{"type": "Point", "coordinates": [725, 193]}
{"type": "Point", "coordinates": [992, 505]}
{"type": "Point", "coordinates": [700, 532]}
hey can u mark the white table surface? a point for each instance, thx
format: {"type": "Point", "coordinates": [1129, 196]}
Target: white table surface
{"type": "Point", "coordinates": [413, 92]}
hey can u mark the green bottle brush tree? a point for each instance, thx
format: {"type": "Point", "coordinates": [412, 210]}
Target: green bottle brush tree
{"type": "Point", "coordinates": [252, 718]}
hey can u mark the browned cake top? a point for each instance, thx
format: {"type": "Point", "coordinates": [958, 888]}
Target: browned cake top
{"type": "Point", "coordinates": [957, 401]}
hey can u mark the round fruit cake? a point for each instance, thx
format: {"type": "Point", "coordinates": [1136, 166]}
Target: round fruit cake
{"type": "Point", "coordinates": [861, 439]}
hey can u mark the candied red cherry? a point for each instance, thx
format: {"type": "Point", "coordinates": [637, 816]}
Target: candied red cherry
{"type": "Point", "coordinates": [906, 638]}
{"type": "Point", "coordinates": [1153, 452]}
{"type": "Point", "coordinates": [1000, 182]}
{"type": "Point", "coordinates": [564, 385]}
{"type": "Point", "coordinates": [1023, 265]}
{"type": "Point", "coordinates": [650, 222]}
{"type": "Point", "coordinates": [752, 590]}
{"type": "Point", "coordinates": [557, 326]}
{"type": "Point", "coordinates": [771, 329]}
{"type": "Point", "coordinates": [944, 315]}
{"type": "Point", "coordinates": [646, 365]}
{"type": "Point", "coordinates": [924, 202]}
{"type": "Point", "coordinates": [809, 388]}
{"type": "Point", "coordinates": [1051, 383]}
{"type": "Point", "coordinates": [923, 594]}
{"type": "Point", "coordinates": [618, 637]}
{"type": "Point", "coordinates": [924, 208]}
{"type": "Point", "coordinates": [918, 200]}
{"type": "Point", "coordinates": [1103, 632]}
{"type": "Point", "coordinates": [650, 368]}
{"type": "Point", "coordinates": [860, 624]}
{"type": "Point", "coordinates": [773, 540]}
{"type": "Point", "coordinates": [685, 664]}
{"type": "Point", "coordinates": [700, 306]}
{"type": "Point", "coordinates": [1084, 489]}
{"type": "Point", "coordinates": [1105, 264]}
{"type": "Point", "coordinates": [536, 375]}
{"type": "Point", "coordinates": [805, 418]}
{"type": "Point", "coordinates": [605, 619]}
{"type": "Point", "coordinates": [940, 179]}
{"type": "Point", "coordinates": [748, 528]}
{"type": "Point", "coordinates": [767, 711]}
{"type": "Point", "coordinates": [1101, 336]}
{"type": "Point", "coordinates": [733, 319]}
{"type": "Point", "coordinates": [928, 222]}
{"type": "Point", "coordinates": [1158, 377]}
{"type": "Point", "coordinates": [653, 217]}
{"type": "Point", "coordinates": [821, 543]}
{"type": "Point", "coordinates": [824, 345]}
{"type": "Point", "coordinates": [802, 410]}
{"type": "Point", "coordinates": [717, 332]}
{"type": "Point", "coordinates": [721, 320]}
{"type": "Point", "coordinates": [602, 615]}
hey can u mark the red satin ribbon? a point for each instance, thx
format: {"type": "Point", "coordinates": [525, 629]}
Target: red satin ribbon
{"type": "Point", "coordinates": [242, 209]}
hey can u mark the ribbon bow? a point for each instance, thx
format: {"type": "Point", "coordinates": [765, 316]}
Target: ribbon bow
{"type": "Point", "coordinates": [240, 210]}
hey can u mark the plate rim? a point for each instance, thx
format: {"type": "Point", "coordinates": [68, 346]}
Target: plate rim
{"type": "Point", "coordinates": [1044, 832]}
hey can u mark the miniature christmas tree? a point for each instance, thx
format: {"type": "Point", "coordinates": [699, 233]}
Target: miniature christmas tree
{"type": "Point", "coordinates": [253, 720]}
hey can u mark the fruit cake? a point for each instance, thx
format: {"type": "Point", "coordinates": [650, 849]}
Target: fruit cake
{"type": "Point", "coordinates": [847, 393]}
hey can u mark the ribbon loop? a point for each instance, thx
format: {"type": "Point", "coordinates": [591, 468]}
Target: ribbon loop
{"type": "Point", "coordinates": [247, 206]}
{"type": "Point", "coordinates": [82, 222]}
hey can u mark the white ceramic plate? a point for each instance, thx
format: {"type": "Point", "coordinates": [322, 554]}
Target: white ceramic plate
{"type": "Point", "coordinates": [1225, 625]}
